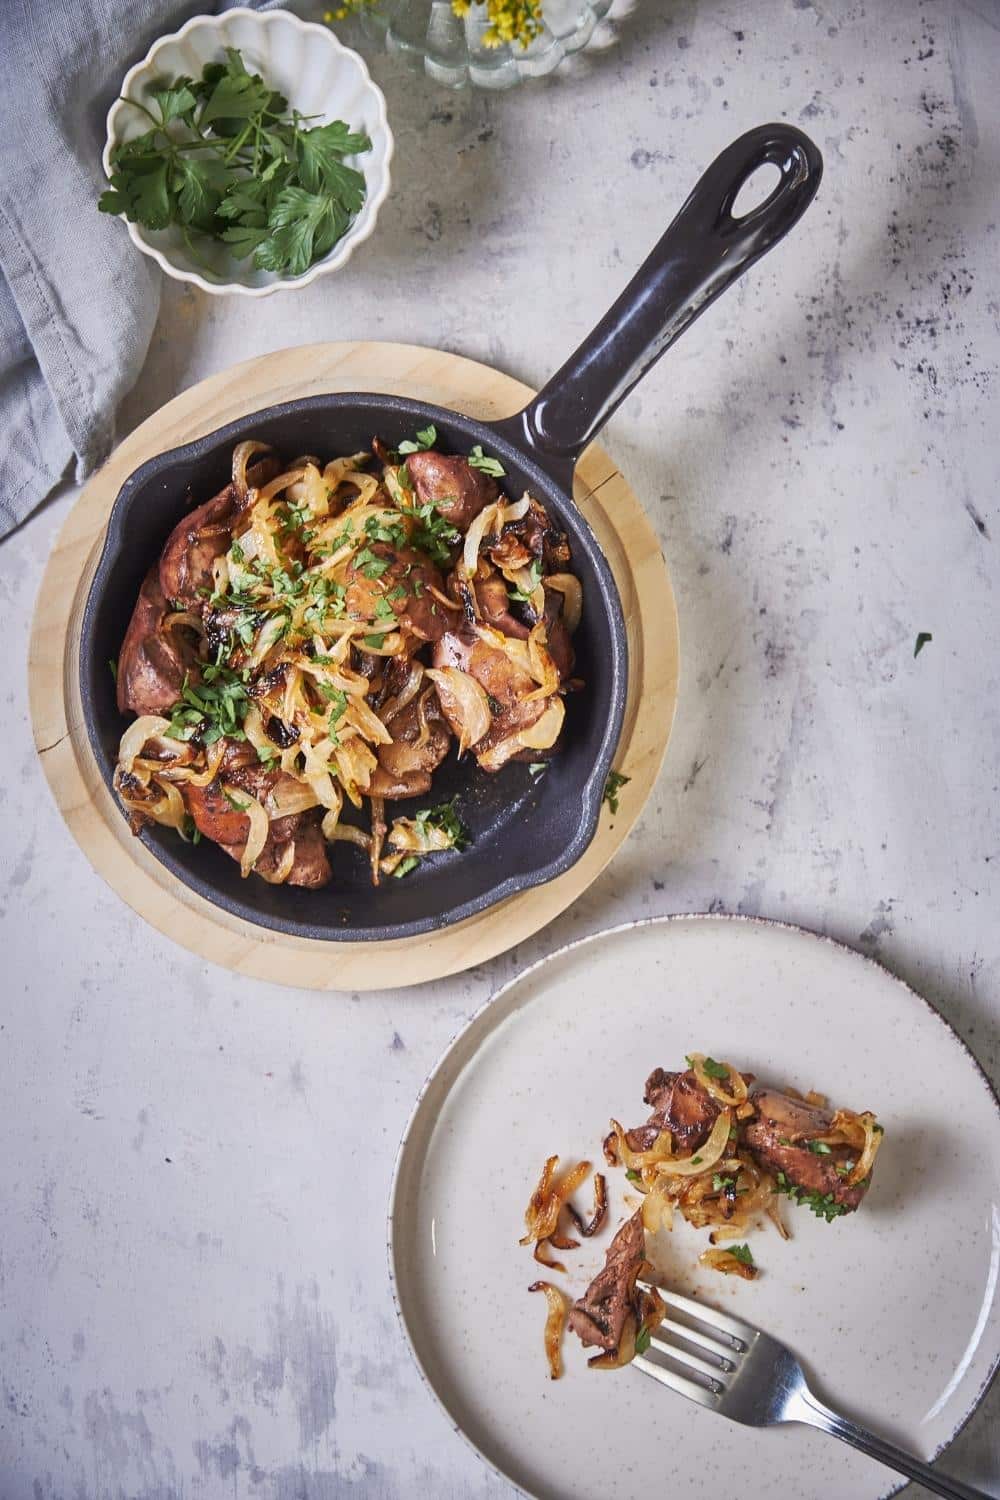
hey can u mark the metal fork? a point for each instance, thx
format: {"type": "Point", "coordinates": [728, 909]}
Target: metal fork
{"type": "Point", "coordinates": [736, 1369]}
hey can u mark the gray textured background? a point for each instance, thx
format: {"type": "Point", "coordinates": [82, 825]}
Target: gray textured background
{"type": "Point", "coordinates": [193, 1169]}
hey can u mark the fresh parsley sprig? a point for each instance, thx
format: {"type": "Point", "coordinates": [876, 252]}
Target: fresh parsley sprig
{"type": "Point", "coordinates": [612, 787]}
{"type": "Point", "coordinates": [225, 160]}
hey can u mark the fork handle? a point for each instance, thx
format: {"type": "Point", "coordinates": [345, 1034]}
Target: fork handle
{"type": "Point", "coordinates": [812, 1411]}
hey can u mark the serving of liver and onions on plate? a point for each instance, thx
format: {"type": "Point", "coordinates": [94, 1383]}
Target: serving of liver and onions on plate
{"type": "Point", "coordinates": [321, 635]}
{"type": "Point", "coordinates": [720, 1150]}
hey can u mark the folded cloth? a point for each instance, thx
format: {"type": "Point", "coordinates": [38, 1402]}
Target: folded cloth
{"type": "Point", "coordinates": [77, 300]}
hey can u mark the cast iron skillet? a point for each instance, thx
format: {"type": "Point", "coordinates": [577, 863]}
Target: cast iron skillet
{"type": "Point", "coordinates": [525, 829]}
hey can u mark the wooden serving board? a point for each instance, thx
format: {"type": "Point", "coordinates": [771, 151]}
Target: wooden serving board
{"type": "Point", "coordinates": [91, 812]}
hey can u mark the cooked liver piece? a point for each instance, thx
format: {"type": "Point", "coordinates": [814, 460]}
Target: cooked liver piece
{"type": "Point", "coordinates": [778, 1140]}
{"type": "Point", "coordinates": [458, 491]}
{"type": "Point", "coordinates": [194, 544]}
{"type": "Point", "coordinates": [409, 576]}
{"type": "Point", "coordinates": [405, 768]}
{"type": "Point", "coordinates": [502, 680]}
{"type": "Point", "coordinates": [680, 1105]}
{"type": "Point", "coordinates": [152, 662]}
{"type": "Point", "coordinates": [598, 1317]}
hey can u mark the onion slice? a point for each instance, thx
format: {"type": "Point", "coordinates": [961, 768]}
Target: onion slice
{"type": "Point", "coordinates": [571, 589]}
{"type": "Point", "coordinates": [728, 1263]}
{"type": "Point", "coordinates": [146, 727]}
{"type": "Point", "coordinates": [705, 1158]}
{"type": "Point", "coordinates": [465, 702]}
{"type": "Point", "coordinates": [713, 1086]}
{"type": "Point", "coordinates": [555, 1324]}
{"type": "Point", "coordinates": [259, 826]}
{"type": "Point", "coordinates": [541, 1217]}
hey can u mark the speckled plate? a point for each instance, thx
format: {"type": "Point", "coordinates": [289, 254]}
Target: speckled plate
{"type": "Point", "coordinates": [894, 1311]}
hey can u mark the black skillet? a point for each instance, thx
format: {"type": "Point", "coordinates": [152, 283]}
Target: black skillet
{"type": "Point", "coordinates": [525, 828]}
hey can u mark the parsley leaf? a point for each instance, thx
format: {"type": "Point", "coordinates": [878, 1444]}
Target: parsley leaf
{"type": "Point", "coordinates": [741, 1253]}
{"type": "Point", "coordinates": [426, 438]}
{"type": "Point", "coordinates": [923, 639]}
{"type": "Point", "coordinates": [405, 866]}
{"type": "Point", "coordinates": [612, 787]}
{"type": "Point", "coordinates": [714, 1069]}
{"type": "Point", "coordinates": [480, 460]}
{"type": "Point", "coordinates": [819, 1148]}
{"type": "Point", "coordinates": [823, 1205]}
{"type": "Point", "coordinates": [633, 1175]}
{"type": "Point", "coordinates": [642, 1339]}
{"type": "Point", "coordinates": [226, 160]}
{"type": "Point", "coordinates": [446, 819]}
{"type": "Point", "coordinates": [534, 579]}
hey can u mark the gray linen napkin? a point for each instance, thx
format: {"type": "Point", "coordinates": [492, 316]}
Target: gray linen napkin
{"type": "Point", "coordinates": [77, 300]}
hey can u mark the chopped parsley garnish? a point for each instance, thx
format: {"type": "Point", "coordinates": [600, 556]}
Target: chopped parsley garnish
{"type": "Point", "coordinates": [612, 787]}
{"type": "Point", "coordinates": [722, 1184]}
{"type": "Point", "coordinates": [714, 1069]}
{"type": "Point", "coordinates": [405, 866]}
{"type": "Point", "coordinates": [113, 667]}
{"type": "Point", "coordinates": [433, 534]}
{"type": "Point", "coordinates": [337, 697]}
{"type": "Point", "coordinates": [426, 438]}
{"type": "Point", "coordinates": [819, 1148]}
{"type": "Point", "coordinates": [642, 1339]}
{"type": "Point", "coordinates": [523, 596]}
{"type": "Point", "coordinates": [923, 639]}
{"type": "Point", "coordinates": [235, 801]}
{"type": "Point", "coordinates": [695, 1160]}
{"type": "Point", "coordinates": [215, 708]}
{"type": "Point", "coordinates": [741, 1253]}
{"type": "Point", "coordinates": [823, 1205]}
{"type": "Point", "coordinates": [370, 565]}
{"type": "Point", "coordinates": [380, 531]}
{"type": "Point", "coordinates": [480, 460]}
{"type": "Point", "coordinates": [190, 830]}
{"type": "Point", "coordinates": [633, 1175]}
{"type": "Point", "coordinates": [446, 819]}
{"type": "Point", "coordinates": [537, 767]}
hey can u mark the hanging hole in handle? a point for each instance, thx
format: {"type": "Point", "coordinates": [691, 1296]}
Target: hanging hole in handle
{"type": "Point", "coordinates": [758, 189]}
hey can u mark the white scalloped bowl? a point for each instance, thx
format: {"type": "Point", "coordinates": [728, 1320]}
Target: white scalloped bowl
{"type": "Point", "coordinates": [317, 74]}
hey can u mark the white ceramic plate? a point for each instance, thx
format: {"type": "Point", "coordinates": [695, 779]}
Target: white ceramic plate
{"type": "Point", "coordinates": [893, 1310]}
{"type": "Point", "coordinates": [317, 74]}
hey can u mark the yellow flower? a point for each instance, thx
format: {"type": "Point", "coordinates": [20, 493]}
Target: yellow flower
{"type": "Point", "coordinates": [510, 20]}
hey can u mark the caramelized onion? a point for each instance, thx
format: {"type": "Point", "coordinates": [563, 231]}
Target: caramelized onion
{"type": "Point", "coordinates": [465, 702]}
{"type": "Point", "coordinates": [600, 1209]}
{"type": "Point", "coordinates": [706, 1157]}
{"type": "Point", "coordinates": [571, 589]}
{"type": "Point", "coordinates": [555, 1323]}
{"type": "Point", "coordinates": [728, 1263]}
{"type": "Point", "coordinates": [133, 741]}
{"type": "Point", "coordinates": [259, 826]}
{"type": "Point", "coordinates": [712, 1086]}
{"type": "Point", "coordinates": [242, 454]}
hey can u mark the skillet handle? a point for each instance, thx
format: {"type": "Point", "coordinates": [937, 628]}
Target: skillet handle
{"type": "Point", "coordinates": [703, 252]}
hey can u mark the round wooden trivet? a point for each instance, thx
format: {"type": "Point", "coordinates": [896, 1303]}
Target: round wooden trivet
{"type": "Point", "coordinates": [89, 809]}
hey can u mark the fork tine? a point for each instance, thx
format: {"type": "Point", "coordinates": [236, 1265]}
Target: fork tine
{"type": "Point", "coordinates": [722, 1352]}
{"type": "Point", "coordinates": [743, 1333]}
{"type": "Point", "coordinates": [678, 1383]}
{"type": "Point", "coordinates": [693, 1362]}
